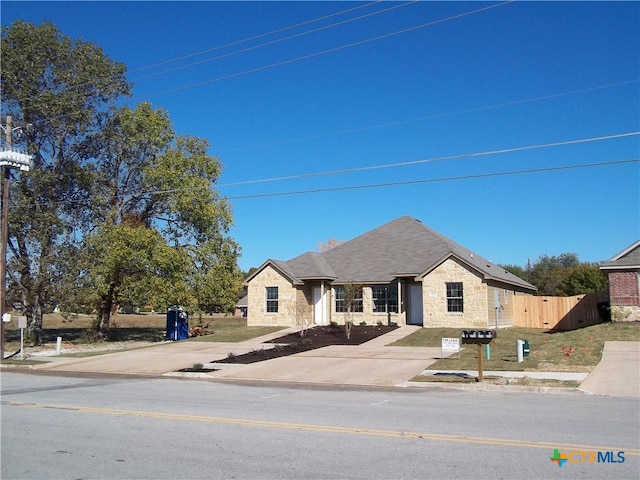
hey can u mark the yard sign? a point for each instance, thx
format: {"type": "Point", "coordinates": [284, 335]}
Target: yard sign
{"type": "Point", "coordinates": [450, 345]}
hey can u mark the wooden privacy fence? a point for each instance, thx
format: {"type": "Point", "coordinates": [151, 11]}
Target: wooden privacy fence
{"type": "Point", "coordinates": [559, 313]}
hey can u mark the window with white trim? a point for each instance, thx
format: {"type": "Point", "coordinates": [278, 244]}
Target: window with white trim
{"type": "Point", "coordinates": [385, 298]}
{"type": "Point", "coordinates": [455, 303]}
{"type": "Point", "coordinates": [272, 299]}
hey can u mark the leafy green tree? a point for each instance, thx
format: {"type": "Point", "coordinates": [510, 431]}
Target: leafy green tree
{"type": "Point", "coordinates": [562, 275]}
{"type": "Point", "coordinates": [215, 277]}
{"type": "Point", "coordinates": [152, 180]}
{"type": "Point", "coordinates": [128, 264]}
{"type": "Point", "coordinates": [64, 89]}
{"type": "Point", "coordinates": [583, 278]}
{"type": "Point", "coordinates": [548, 272]}
{"type": "Point", "coordinates": [118, 207]}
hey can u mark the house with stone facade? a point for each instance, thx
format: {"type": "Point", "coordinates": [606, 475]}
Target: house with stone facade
{"type": "Point", "coordinates": [623, 271]}
{"type": "Point", "coordinates": [402, 272]}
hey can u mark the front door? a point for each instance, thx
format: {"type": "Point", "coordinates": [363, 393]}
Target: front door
{"type": "Point", "coordinates": [319, 305]}
{"type": "Point", "coordinates": [415, 304]}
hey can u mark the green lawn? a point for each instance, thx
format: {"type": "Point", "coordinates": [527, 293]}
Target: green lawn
{"type": "Point", "coordinates": [574, 351]}
{"type": "Point", "coordinates": [140, 327]}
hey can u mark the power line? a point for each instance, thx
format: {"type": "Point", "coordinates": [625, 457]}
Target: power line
{"type": "Point", "coordinates": [258, 69]}
{"type": "Point", "coordinates": [434, 180]}
{"type": "Point", "coordinates": [430, 160]}
{"type": "Point", "coordinates": [324, 52]}
{"type": "Point", "coordinates": [255, 37]}
{"type": "Point", "coordinates": [272, 42]}
{"type": "Point", "coordinates": [431, 117]}
{"type": "Point", "coordinates": [335, 49]}
{"type": "Point", "coordinates": [414, 162]}
{"type": "Point", "coordinates": [400, 164]}
{"type": "Point", "coordinates": [31, 100]}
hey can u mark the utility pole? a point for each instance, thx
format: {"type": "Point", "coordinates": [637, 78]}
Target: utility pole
{"type": "Point", "coordinates": [4, 237]}
{"type": "Point", "coordinates": [8, 158]}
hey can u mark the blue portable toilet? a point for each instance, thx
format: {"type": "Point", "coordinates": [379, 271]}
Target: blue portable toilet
{"type": "Point", "coordinates": [177, 323]}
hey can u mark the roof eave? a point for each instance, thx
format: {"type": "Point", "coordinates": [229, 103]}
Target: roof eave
{"type": "Point", "coordinates": [620, 267]}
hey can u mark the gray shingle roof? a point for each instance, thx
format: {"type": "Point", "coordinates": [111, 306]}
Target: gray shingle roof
{"type": "Point", "coordinates": [311, 265]}
{"type": "Point", "coordinates": [401, 248]}
{"type": "Point", "coordinates": [627, 258]}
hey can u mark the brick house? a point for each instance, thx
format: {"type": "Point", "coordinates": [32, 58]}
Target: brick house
{"type": "Point", "coordinates": [241, 307]}
{"type": "Point", "coordinates": [401, 272]}
{"type": "Point", "coordinates": [623, 271]}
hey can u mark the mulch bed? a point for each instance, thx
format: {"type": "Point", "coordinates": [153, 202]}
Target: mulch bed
{"type": "Point", "coordinates": [316, 337]}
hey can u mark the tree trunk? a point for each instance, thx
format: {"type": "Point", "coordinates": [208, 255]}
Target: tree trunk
{"type": "Point", "coordinates": [104, 315]}
{"type": "Point", "coordinates": [34, 323]}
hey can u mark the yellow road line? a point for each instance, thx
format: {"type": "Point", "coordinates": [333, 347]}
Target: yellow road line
{"type": "Point", "coordinates": [332, 429]}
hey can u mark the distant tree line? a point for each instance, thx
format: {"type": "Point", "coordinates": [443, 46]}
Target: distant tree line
{"type": "Point", "coordinates": [562, 276]}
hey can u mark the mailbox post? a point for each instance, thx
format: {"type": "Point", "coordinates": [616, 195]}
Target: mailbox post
{"type": "Point", "coordinates": [479, 337]}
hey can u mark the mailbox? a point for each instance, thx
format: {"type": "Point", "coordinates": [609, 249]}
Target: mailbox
{"type": "Point", "coordinates": [478, 336]}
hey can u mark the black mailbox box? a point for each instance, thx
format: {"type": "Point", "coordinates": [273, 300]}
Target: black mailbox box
{"type": "Point", "coordinates": [478, 336]}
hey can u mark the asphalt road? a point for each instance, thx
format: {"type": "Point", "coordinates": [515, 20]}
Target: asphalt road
{"type": "Point", "coordinates": [83, 428]}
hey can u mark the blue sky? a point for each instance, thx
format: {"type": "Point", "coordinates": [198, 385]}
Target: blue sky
{"type": "Point", "coordinates": [425, 89]}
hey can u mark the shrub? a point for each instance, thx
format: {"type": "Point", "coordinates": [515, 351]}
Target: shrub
{"type": "Point", "coordinates": [307, 341]}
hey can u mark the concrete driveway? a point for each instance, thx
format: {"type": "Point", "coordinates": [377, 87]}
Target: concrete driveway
{"type": "Point", "coordinates": [618, 373]}
{"type": "Point", "coordinates": [372, 363]}
{"type": "Point", "coordinates": [340, 365]}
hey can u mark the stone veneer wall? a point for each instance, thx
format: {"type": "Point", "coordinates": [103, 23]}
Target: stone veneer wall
{"type": "Point", "coordinates": [257, 303]}
{"type": "Point", "coordinates": [293, 301]}
{"type": "Point", "coordinates": [434, 297]}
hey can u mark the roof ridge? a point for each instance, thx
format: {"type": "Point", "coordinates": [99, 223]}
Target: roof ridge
{"type": "Point", "coordinates": [403, 246]}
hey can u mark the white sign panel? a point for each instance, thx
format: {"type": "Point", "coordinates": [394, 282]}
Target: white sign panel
{"type": "Point", "coordinates": [450, 345]}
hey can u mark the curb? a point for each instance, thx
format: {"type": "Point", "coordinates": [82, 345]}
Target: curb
{"type": "Point", "coordinates": [495, 388]}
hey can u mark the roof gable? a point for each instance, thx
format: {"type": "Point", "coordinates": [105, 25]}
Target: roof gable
{"type": "Point", "coordinates": [279, 266]}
